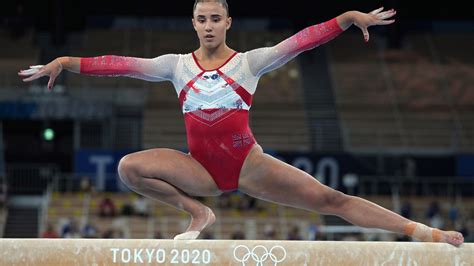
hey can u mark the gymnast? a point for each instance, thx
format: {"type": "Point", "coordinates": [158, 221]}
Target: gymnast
{"type": "Point", "coordinates": [215, 85]}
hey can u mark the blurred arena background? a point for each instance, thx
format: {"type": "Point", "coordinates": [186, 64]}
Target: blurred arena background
{"type": "Point", "coordinates": [391, 121]}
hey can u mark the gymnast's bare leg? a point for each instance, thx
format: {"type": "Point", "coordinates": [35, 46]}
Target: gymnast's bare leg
{"type": "Point", "coordinates": [171, 177]}
{"type": "Point", "coordinates": [270, 179]}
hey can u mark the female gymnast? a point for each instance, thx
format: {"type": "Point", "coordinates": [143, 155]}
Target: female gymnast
{"type": "Point", "coordinates": [215, 85]}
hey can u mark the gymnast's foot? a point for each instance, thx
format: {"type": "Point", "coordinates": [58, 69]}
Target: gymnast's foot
{"type": "Point", "coordinates": [451, 237]}
{"type": "Point", "coordinates": [200, 221]}
{"type": "Point", "coordinates": [424, 233]}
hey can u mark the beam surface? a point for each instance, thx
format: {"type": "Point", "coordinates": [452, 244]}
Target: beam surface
{"type": "Point", "coordinates": [228, 252]}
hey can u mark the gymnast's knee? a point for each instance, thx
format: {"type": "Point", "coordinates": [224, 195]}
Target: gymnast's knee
{"type": "Point", "coordinates": [127, 172]}
{"type": "Point", "coordinates": [333, 202]}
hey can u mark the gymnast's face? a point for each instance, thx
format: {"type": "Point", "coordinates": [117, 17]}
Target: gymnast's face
{"type": "Point", "coordinates": [211, 22]}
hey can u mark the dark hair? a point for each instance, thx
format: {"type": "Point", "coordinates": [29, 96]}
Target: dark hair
{"type": "Point", "coordinates": [222, 2]}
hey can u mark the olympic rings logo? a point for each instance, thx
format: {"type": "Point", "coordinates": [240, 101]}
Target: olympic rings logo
{"type": "Point", "coordinates": [259, 254]}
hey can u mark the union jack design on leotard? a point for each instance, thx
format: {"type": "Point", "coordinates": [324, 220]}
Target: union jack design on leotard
{"type": "Point", "coordinates": [212, 97]}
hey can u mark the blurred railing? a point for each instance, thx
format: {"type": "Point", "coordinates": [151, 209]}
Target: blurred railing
{"type": "Point", "coordinates": [387, 140]}
{"type": "Point", "coordinates": [37, 179]}
{"type": "Point", "coordinates": [30, 178]}
{"type": "Point", "coordinates": [445, 186]}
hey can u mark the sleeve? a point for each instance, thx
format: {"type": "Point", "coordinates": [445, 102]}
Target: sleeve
{"type": "Point", "coordinates": [155, 69]}
{"type": "Point", "coordinates": [263, 60]}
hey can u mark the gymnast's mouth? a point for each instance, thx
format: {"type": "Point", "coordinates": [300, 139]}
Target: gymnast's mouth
{"type": "Point", "coordinates": [209, 36]}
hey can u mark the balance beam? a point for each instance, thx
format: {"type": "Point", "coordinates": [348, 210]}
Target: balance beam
{"type": "Point", "coordinates": [228, 252]}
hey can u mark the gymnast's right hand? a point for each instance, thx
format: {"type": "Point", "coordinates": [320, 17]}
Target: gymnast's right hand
{"type": "Point", "coordinates": [53, 69]}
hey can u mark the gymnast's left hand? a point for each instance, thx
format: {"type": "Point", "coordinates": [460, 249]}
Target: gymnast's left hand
{"type": "Point", "coordinates": [53, 69]}
{"type": "Point", "coordinates": [376, 17]}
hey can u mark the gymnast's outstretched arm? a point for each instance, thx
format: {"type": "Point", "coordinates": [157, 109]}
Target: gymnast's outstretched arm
{"type": "Point", "coordinates": [155, 69]}
{"type": "Point", "coordinates": [263, 60]}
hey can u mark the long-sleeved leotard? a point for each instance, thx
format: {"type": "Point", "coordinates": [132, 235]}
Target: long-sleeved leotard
{"type": "Point", "coordinates": [216, 102]}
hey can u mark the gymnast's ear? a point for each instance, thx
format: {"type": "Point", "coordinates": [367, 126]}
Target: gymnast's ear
{"type": "Point", "coordinates": [194, 23]}
{"type": "Point", "coordinates": [228, 22]}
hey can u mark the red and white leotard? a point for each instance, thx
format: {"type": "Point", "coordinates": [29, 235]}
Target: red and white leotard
{"type": "Point", "coordinates": [216, 102]}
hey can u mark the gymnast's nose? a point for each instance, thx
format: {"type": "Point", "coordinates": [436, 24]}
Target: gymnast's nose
{"type": "Point", "coordinates": [208, 27]}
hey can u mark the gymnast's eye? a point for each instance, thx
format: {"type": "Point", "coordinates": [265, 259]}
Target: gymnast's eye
{"type": "Point", "coordinates": [201, 19]}
{"type": "Point", "coordinates": [216, 18]}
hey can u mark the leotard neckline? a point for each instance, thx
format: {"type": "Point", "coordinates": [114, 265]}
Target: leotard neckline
{"type": "Point", "coordinates": [206, 70]}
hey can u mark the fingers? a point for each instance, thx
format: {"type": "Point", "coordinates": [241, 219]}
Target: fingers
{"type": "Point", "coordinates": [35, 76]}
{"type": "Point", "coordinates": [366, 34]}
{"type": "Point", "coordinates": [29, 72]}
{"type": "Point", "coordinates": [387, 14]}
{"type": "Point", "coordinates": [382, 17]}
{"type": "Point", "coordinates": [51, 82]}
{"type": "Point", "coordinates": [39, 71]}
{"type": "Point", "coordinates": [376, 11]}
{"type": "Point", "coordinates": [386, 22]}
{"type": "Point", "coordinates": [34, 72]}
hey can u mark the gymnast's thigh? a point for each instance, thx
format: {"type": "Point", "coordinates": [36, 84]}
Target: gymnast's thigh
{"type": "Point", "coordinates": [268, 178]}
{"type": "Point", "coordinates": [174, 167]}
